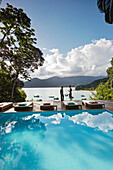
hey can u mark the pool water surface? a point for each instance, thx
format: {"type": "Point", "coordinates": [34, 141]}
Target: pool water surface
{"type": "Point", "coordinates": [60, 140]}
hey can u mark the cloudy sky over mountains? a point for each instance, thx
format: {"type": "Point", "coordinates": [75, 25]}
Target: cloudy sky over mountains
{"type": "Point", "coordinates": [89, 60]}
{"type": "Point", "coordinates": [72, 34]}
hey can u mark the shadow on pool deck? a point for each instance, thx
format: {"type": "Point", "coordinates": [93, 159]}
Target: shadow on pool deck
{"type": "Point", "coordinates": [60, 107]}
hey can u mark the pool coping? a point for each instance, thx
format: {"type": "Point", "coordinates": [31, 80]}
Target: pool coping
{"type": "Point", "coordinates": [59, 111]}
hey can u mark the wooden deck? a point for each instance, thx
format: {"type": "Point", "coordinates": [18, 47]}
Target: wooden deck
{"type": "Point", "coordinates": [60, 107]}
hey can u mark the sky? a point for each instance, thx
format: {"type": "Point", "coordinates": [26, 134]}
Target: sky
{"type": "Point", "coordinates": [72, 34]}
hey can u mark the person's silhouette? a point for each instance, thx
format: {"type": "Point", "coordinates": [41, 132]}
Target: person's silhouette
{"type": "Point", "coordinates": [62, 94]}
{"type": "Point", "coordinates": [70, 92]}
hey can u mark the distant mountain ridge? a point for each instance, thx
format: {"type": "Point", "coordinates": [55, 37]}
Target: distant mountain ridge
{"type": "Point", "coordinates": [93, 85]}
{"type": "Point", "coordinates": [60, 81]}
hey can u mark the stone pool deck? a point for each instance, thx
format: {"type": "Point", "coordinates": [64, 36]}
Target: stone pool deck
{"type": "Point", "coordinates": [60, 107]}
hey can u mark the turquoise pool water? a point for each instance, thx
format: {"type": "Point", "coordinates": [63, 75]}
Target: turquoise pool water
{"type": "Point", "coordinates": [63, 140]}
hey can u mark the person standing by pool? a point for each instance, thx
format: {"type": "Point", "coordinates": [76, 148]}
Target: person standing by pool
{"type": "Point", "coordinates": [70, 92]}
{"type": "Point", "coordinates": [62, 94]}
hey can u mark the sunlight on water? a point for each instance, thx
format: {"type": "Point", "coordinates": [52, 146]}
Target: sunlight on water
{"type": "Point", "coordinates": [67, 140]}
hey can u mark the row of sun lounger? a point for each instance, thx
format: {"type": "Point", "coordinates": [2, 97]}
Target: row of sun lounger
{"type": "Point", "coordinates": [5, 105]}
{"type": "Point", "coordinates": [72, 105]}
{"type": "Point", "coordinates": [48, 106]}
{"type": "Point", "coordinates": [93, 104]}
{"type": "Point", "coordinates": [69, 105]}
{"type": "Point", "coordinates": [24, 106]}
{"type": "Point", "coordinates": [18, 107]}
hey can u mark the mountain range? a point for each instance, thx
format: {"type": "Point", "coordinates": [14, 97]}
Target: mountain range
{"type": "Point", "coordinates": [93, 85]}
{"type": "Point", "coordinates": [61, 81]}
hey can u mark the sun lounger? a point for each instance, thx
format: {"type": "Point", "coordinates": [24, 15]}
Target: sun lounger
{"type": "Point", "coordinates": [5, 105]}
{"type": "Point", "coordinates": [93, 104]}
{"type": "Point", "coordinates": [23, 106]}
{"type": "Point", "coordinates": [48, 106]}
{"type": "Point", "coordinates": [71, 105]}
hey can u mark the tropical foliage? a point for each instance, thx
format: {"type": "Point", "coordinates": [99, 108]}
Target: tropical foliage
{"type": "Point", "coordinates": [110, 73]}
{"type": "Point", "coordinates": [91, 86]}
{"type": "Point", "coordinates": [6, 83]}
{"type": "Point", "coordinates": [104, 91]}
{"type": "Point", "coordinates": [18, 53]}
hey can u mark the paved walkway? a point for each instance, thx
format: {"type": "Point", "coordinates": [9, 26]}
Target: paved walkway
{"type": "Point", "coordinates": [36, 107]}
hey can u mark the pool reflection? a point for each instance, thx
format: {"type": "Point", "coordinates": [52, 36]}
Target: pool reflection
{"type": "Point", "coordinates": [56, 140]}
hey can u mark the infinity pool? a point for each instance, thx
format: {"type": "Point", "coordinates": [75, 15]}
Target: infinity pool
{"type": "Point", "coordinates": [63, 140]}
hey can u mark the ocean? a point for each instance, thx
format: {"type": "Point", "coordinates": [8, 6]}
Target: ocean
{"type": "Point", "coordinates": [53, 93]}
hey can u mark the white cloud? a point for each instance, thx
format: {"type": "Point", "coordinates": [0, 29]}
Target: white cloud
{"type": "Point", "coordinates": [102, 121]}
{"type": "Point", "coordinates": [45, 49]}
{"type": "Point", "coordinates": [54, 50]}
{"type": "Point", "coordinates": [91, 60]}
{"type": "Point", "coordinates": [0, 35]}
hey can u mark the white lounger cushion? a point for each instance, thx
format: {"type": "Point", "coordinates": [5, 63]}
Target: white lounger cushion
{"type": "Point", "coordinates": [23, 104]}
{"type": "Point", "coordinates": [5, 104]}
{"type": "Point", "coordinates": [88, 102]}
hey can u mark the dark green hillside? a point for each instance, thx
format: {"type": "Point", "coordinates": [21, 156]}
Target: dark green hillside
{"type": "Point", "coordinates": [60, 81]}
{"type": "Point", "coordinates": [91, 86]}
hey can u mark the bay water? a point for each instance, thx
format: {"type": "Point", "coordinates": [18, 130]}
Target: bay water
{"type": "Point", "coordinates": [53, 93]}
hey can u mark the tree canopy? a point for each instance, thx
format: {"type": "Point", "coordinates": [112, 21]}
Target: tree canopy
{"type": "Point", "coordinates": [106, 6]}
{"type": "Point", "coordinates": [104, 91]}
{"type": "Point", "coordinates": [6, 84]}
{"type": "Point", "coordinates": [110, 72]}
{"type": "Point", "coordinates": [18, 51]}
{"type": "Point", "coordinates": [17, 43]}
